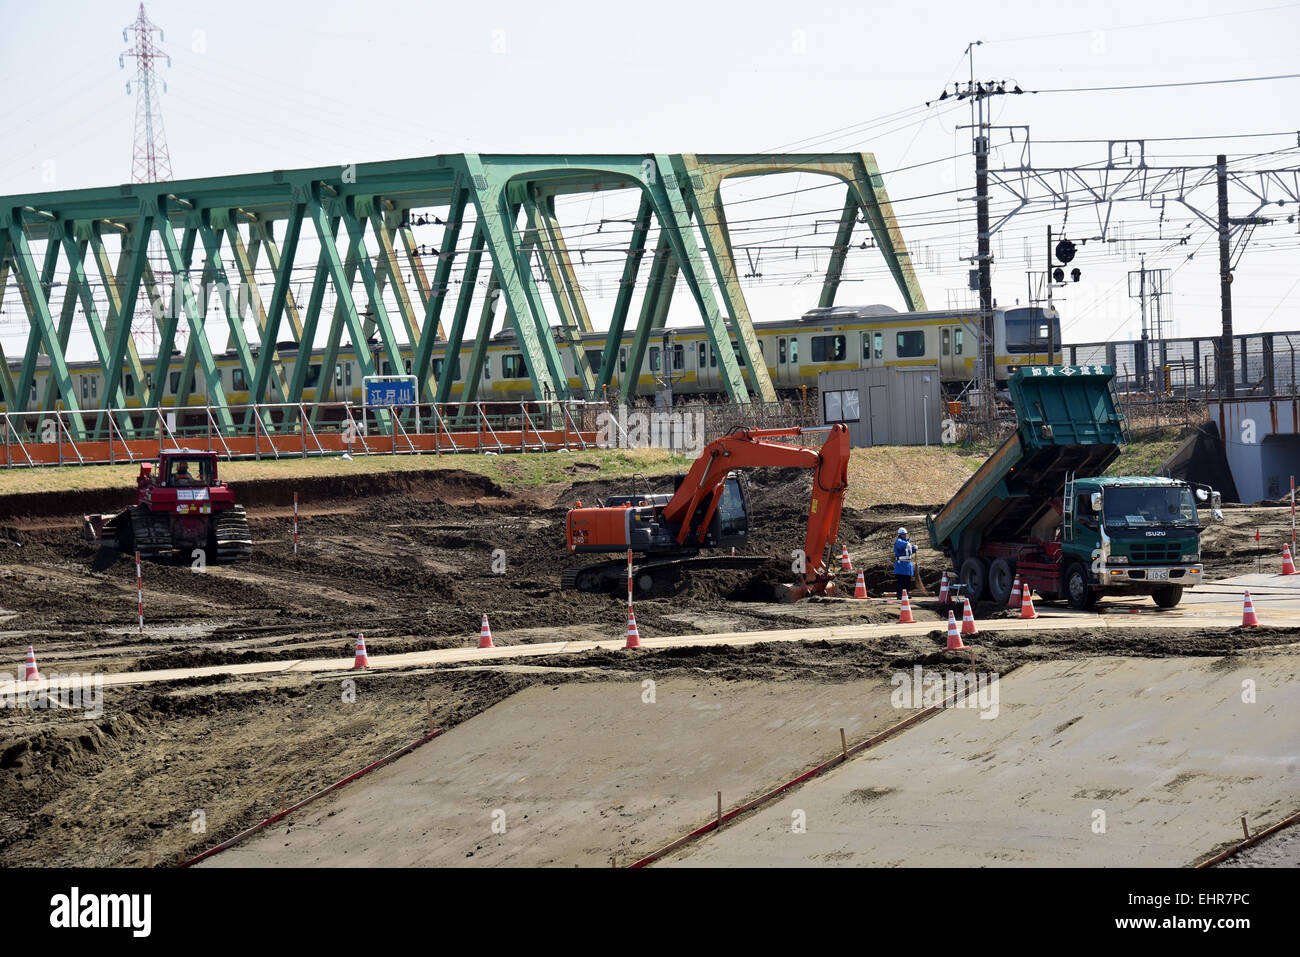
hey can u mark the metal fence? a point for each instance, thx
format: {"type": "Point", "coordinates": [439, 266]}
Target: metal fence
{"type": "Point", "coordinates": [1263, 365]}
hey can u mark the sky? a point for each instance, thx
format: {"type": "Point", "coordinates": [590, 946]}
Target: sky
{"type": "Point", "coordinates": [258, 86]}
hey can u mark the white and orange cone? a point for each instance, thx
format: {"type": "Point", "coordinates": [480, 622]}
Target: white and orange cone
{"type": "Point", "coordinates": [30, 673]}
{"type": "Point", "coordinates": [1248, 619]}
{"type": "Point", "coordinates": [1013, 601]}
{"type": "Point", "coordinates": [943, 590]}
{"type": "Point", "coordinates": [845, 563]}
{"type": "Point", "coordinates": [633, 633]}
{"type": "Point", "coordinates": [905, 611]}
{"type": "Point", "coordinates": [954, 638]}
{"type": "Point", "coordinates": [1027, 605]}
{"type": "Point", "coordinates": [967, 618]}
{"type": "Point", "coordinates": [1288, 566]}
{"type": "Point", "coordinates": [860, 589]}
{"type": "Point", "coordinates": [361, 661]}
{"type": "Point", "coordinates": [485, 635]}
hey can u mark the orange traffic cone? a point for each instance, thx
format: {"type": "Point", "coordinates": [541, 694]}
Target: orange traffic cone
{"type": "Point", "coordinates": [860, 589]}
{"type": "Point", "coordinates": [633, 634]}
{"type": "Point", "coordinates": [1288, 566]}
{"type": "Point", "coordinates": [30, 673]}
{"type": "Point", "coordinates": [361, 661]}
{"type": "Point", "coordinates": [967, 618]}
{"type": "Point", "coordinates": [485, 635]}
{"type": "Point", "coordinates": [954, 639]}
{"type": "Point", "coordinates": [844, 559]}
{"type": "Point", "coordinates": [943, 590]}
{"type": "Point", "coordinates": [905, 612]}
{"type": "Point", "coordinates": [1014, 600]}
{"type": "Point", "coordinates": [1027, 605]}
{"type": "Point", "coordinates": [1248, 618]}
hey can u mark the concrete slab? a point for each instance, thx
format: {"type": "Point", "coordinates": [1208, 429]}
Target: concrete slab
{"type": "Point", "coordinates": [1164, 752]}
{"type": "Point", "coordinates": [575, 774]}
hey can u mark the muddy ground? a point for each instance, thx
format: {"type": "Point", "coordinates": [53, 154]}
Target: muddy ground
{"type": "Point", "coordinates": [413, 570]}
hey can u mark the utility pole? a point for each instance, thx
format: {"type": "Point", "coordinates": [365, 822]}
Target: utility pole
{"type": "Point", "coordinates": [978, 93]}
{"type": "Point", "coordinates": [1227, 369]}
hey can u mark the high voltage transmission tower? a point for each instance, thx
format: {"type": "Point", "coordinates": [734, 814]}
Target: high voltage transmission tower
{"type": "Point", "coordinates": [150, 161]}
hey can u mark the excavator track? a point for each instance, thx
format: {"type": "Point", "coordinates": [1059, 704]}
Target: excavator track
{"type": "Point", "coordinates": [605, 575]}
{"type": "Point", "coordinates": [230, 528]}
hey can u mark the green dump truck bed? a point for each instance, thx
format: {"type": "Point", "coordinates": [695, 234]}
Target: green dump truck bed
{"type": "Point", "coordinates": [1067, 422]}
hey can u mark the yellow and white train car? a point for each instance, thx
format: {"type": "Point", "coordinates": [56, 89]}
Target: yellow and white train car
{"type": "Point", "coordinates": [822, 340]}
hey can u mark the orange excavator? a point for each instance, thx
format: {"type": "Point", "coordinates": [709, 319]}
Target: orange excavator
{"type": "Point", "coordinates": [710, 509]}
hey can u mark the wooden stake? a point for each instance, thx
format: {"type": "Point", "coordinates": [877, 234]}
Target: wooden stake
{"type": "Point", "coordinates": [844, 745]}
{"type": "Point", "coordinates": [719, 809]}
{"type": "Point", "coordinates": [1245, 828]}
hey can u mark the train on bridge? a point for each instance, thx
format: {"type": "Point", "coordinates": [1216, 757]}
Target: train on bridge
{"type": "Point", "coordinates": [831, 339]}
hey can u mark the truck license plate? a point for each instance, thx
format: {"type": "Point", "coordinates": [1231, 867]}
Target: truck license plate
{"type": "Point", "coordinates": [1158, 574]}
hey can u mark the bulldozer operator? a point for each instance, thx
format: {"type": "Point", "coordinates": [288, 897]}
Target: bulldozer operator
{"type": "Point", "coordinates": [182, 478]}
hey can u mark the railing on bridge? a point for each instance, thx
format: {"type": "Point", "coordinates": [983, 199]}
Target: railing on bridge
{"type": "Point", "coordinates": [295, 430]}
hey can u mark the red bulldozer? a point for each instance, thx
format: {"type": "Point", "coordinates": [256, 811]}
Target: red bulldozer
{"type": "Point", "coordinates": [179, 505]}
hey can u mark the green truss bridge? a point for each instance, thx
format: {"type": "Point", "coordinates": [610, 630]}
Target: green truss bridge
{"type": "Point", "coordinates": [86, 260]}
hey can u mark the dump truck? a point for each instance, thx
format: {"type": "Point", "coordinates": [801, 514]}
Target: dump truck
{"type": "Point", "coordinates": [180, 505]}
{"type": "Point", "coordinates": [708, 510]}
{"type": "Point", "coordinates": [1042, 508]}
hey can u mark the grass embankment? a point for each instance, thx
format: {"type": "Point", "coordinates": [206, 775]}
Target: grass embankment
{"type": "Point", "coordinates": [886, 475]}
{"type": "Point", "coordinates": [528, 470]}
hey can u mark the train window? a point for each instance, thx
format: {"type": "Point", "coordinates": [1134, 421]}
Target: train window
{"type": "Point", "coordinates": [148, 381]}
{"type": "Point", "coordinates": [94, 387]}
{"type": "Point", "coordinates": [622, 360]}
{"type": "Point", "coordinates": [713, 358]}
{"type": "Point", "coordinates": [175, 382]}
{"type": "Point", "coordinates": [703, 350]}
{"type": "Point", "coordinates": [946, 346]}
{"type": "Point", "coordinates": [513, 366]}
{"type": "Point", "coordinates": [386, 368]}
{"type": "Point", "coordinates": [956, 341]}
{"type": "Point", "coordinates": [313, 377]}
{"type": "Point", "coordinates": [654, 358]}
{"type": "Point", "coordinates": [910, 343]}
{"type": "Point", "coordinates": [455, 369]}
{"type": "Point", "coordinates": [828, 348]}
{"type": "Point", "coordinates": [239, 384]}
{"type": "Point", "coordinates": [487, 369]}
{"type": "Point", "coordinates": [594, 357]}
{"type": "Point", "coordinates": [794, 351]}
{"type": "Point", "coordinates": [780, 351]}
{"type": "Point", "coordinates": [679, 356]}
{"type": "Point", "coordinates": [338, 373]}
{"type": "Point", "coordinates": [85, 388]}
{"type": "Point", "coordinates": [878, 345]}
{"type": "Point", "coordinates": [347, 373]}
{"type": "Point", "coordinates": [408, 366]}
{"type": "Point", "coordinates": [128, 385]}
{"type": "Point", "coordinates": [740, 358]}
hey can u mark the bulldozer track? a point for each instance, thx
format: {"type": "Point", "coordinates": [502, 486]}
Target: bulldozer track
{"type": "Point", "coordinates": [150, 532]}
{"type": "Point", "coordinates": [233, 538]}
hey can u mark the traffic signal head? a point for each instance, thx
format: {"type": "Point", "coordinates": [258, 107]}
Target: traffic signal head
{"type": "Point", "coordinates": [1075, 273]}
{"type": "Point", "coordinates": [1058, 274]}
{"type": "Point", "coordinates": [1065, 251]}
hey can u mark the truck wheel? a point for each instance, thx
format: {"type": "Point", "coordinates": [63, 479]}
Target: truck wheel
{"type": "Point", "coordinates": [1078, 591]}
{"type": "Point", "coordinates": [1002, 576]}
{"type": "Point", "coordinates": [974, 575]}
{"type": "Point", "coordinates": [1168, 596]}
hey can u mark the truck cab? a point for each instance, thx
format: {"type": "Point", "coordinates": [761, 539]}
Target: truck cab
{"type": "Point", "coordinates": [1134, 535]}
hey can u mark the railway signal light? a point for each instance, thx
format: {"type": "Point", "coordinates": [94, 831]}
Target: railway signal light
{"type": "Point", "coordinates": [1058, 274]}
{"type": "Point", "coordinates": [1065, 251]}
{"type": "Point", "coordinates": [1075, 273]}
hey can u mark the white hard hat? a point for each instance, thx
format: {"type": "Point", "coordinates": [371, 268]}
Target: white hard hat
{"type": "Point", "coordinates": [902, 531]}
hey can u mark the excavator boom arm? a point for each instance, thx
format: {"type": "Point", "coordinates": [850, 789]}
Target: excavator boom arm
{"type": "Point", "coordinates": [746, 448]}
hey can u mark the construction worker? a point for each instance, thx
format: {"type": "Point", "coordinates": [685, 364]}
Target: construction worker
{"type": "Point", "coordinates": [903, 567]}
